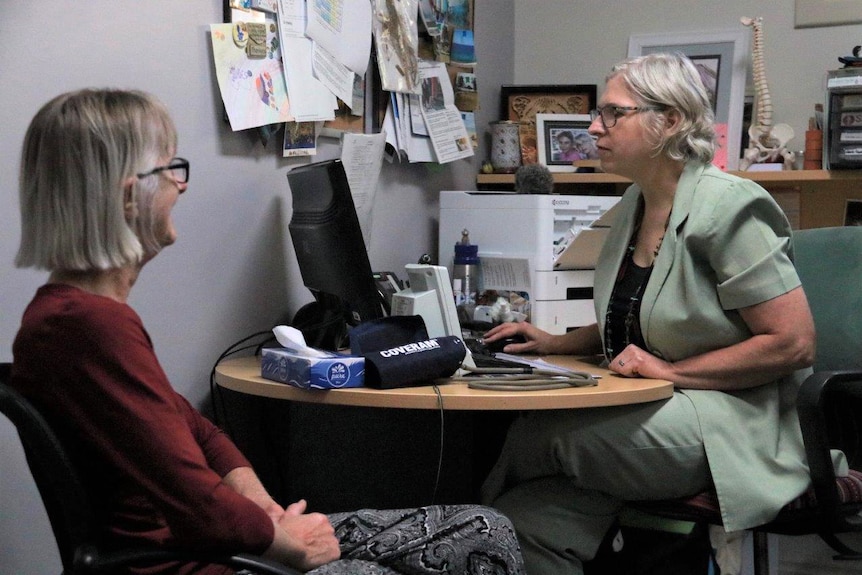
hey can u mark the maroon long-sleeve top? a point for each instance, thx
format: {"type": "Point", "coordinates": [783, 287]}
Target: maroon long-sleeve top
{"type": "Point", "coordinates": [152, 463]}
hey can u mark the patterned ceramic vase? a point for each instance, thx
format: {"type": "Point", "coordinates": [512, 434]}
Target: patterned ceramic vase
{"type": "Point", "coordinates": [505, 146]}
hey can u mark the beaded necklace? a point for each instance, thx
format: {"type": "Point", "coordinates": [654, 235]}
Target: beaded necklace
{"type": "Point", "coordinates": [622, 323]}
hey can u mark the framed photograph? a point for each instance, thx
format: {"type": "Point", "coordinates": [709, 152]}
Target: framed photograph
{"type": "Point", "coordinates": [563, 139]}
{"type": "Point", "coordinates": [811, 13]}
{"type": "Point", "coordinates": [522, 104]}
{"type": "Point", "coordinates": [722, 58]}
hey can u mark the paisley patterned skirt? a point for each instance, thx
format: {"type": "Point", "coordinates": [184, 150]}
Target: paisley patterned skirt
{"type": "Point", "coordinates": [450, 539]}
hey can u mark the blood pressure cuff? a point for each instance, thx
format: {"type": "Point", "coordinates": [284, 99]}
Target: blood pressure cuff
{"type": "Point", "coordinates": [399, 353]}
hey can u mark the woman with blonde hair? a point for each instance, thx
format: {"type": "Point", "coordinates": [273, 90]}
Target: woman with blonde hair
{"type": "Point", "coordinates": [99, 179]}
{"type": "Point", "coordinates": [695, 284]}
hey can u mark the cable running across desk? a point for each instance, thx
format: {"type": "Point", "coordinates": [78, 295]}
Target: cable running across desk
{"type": "Point", "coordinates": [524, 379]}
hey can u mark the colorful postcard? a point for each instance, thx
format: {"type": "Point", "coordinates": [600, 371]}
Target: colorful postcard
{"type": "Point", "coordinates": [253, 89]}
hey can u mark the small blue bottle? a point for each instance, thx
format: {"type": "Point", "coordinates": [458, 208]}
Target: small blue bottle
{"type": "Point", "coordinates": [465, 273]}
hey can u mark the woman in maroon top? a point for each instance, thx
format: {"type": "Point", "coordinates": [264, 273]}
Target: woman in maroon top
{"type": "Point", "coordinates": [99, 179]}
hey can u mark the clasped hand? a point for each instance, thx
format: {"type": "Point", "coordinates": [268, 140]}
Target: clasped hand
{"type": "Point", "coordinates": [635, 362]}
{"type": "Point", "coordinates": [311, 537]}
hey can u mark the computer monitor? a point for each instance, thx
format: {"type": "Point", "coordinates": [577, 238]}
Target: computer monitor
{"type": "Point", "coordinates": [328, 242]}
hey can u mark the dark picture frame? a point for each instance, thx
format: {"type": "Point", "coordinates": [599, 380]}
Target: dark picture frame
{"type": "Point", "coordinates": [521, 103]}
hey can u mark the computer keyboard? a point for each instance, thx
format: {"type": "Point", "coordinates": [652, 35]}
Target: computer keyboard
{"type": "Point", "coordinates": [488, 360]}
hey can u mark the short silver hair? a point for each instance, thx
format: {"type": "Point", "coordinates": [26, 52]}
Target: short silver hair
{"type": "Point", "coordinates": [671, 81]}
{"type": "Point", "coordinates": [80, 153]}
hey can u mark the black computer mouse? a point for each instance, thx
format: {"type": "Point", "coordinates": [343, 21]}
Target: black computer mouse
{"type": "Point", "coordinates": [498, 345]}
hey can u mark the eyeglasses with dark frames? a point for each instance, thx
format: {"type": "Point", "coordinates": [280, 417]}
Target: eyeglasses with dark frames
{"type": "Point", "coordinates": [610, 114]}
{"type": "Point", "coordinates": [178, 167]}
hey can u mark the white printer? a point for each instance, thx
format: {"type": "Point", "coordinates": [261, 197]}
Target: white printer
{"type": "Point", "coordinates": [545, 245]}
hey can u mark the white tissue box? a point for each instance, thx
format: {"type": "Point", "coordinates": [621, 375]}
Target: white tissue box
{"type": "Point", "coordinates": [335, 371]}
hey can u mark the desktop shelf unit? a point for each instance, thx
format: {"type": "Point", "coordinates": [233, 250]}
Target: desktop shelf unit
{"type": "Point", "coordinates": [810, 198]}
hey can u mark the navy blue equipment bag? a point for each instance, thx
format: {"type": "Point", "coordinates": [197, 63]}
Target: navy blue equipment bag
{"type": "Point", "coordinates": [399, 353]}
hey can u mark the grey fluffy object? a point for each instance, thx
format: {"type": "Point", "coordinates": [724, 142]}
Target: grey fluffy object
{"type": "Point", "coordinates": [534, 179]}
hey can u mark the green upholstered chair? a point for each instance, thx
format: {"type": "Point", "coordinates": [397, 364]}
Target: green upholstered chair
{"type": "Point", "coordinates": [69, 511]}
{"type": "Point", "coordinates": [829, 263]}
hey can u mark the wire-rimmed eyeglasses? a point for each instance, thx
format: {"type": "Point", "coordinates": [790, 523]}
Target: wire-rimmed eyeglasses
{"type": "Point", "coordinates": [178, 167]}
{"type": "Point", "coordinates": [609, 114]}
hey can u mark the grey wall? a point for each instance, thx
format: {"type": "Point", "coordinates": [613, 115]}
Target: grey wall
{"type": "Point", "coordinates": [232, 271]}
{"type": "Point", "coordinates": [577, 41]}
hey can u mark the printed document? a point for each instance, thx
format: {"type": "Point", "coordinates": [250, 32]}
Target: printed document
{"type": "Point", "coordinates": [362, 158]}
{"type": "Point", "coordinates": [442, 119]}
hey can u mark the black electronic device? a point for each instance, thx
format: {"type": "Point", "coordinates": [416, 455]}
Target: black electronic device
{"type": "Point", "coordinates": [328, 242]}
{"type": "Point", "coordinates": [484, 356]}
{"type": "Point", "coordinates": [387, 284]}
{"type": "Point", "coordinates": [497, 346]}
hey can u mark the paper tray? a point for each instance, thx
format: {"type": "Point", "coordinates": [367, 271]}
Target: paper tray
{"type": "Point", "coordinates": [582, 251]}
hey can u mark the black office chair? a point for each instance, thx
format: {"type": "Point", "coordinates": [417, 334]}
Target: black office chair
{"type": "Point", "coordinates": [70, 512]}
{"type": "Point", "coordinates": [829, 263]}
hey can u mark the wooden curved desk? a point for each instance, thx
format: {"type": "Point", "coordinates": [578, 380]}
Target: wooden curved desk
{"type": "Point", "coordinates": [243, 375]}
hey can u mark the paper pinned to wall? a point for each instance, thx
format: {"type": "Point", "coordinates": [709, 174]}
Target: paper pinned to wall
{"type": "Point", "coordinates": [404, 141]}
{"type": "Point", "coordinates": [343, 29]}
{"type": "Point", "coordinates": [310, 99]}
{"type": "Point", "coordinates": [291, 21]}
{"type": "Point", "coordinates": [362, 158]}
{"type": "Point", "coordinates": [253, 90]}
{"type": "Point", "coordinates": [300, 139]}
{"type": "Point", "coordinates": [396, 36]}
{"type": "Point", "coordinates": [443, 120]}
{"type": "Point", "coordinates": [338, 78]}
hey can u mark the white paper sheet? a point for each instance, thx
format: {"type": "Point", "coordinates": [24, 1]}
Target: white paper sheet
{"type": "Point", "coordinates": [291, 20]}
{"type": "Point", "coordinates": [362, 158]}
{"type": "Point", "coordinates": [338, 78]}
{"type": "Point", "coordinates": [502, 273]}
{"type": "Point", "coordinates": [310, 99]}
{"type": "Point", "coordinates": [343, 29]}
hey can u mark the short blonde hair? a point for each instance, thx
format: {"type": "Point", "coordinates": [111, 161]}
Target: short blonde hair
{"type": "Point", "coordinates": [671, 81]}
{"type": "Point", "coordinates": [79, 153]}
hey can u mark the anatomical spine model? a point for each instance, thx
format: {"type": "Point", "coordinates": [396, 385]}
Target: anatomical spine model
{"type": "Point", "coordinates": [766, 142]}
